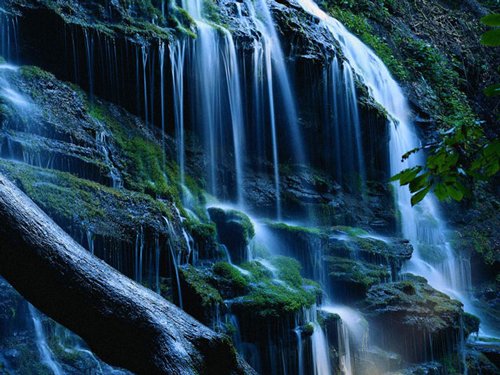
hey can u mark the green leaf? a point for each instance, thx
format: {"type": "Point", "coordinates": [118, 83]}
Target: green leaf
{"type": "Point", "coordinates": [491, 38]}
{"type": "Point", "coordinates": [491, 20]}
{"type": "Point", "coordinates": [455, 192]}
{"type": "Point", "coordinates": [415, 199]}
{"type": "Point", "coordinates": [441, 192]}
{"type": "Point", "coordinates": [492, 90]}
{"type": "Point", "coordinates": [407, 175]}
{"type": "Point", "coordinates": [419, 182]}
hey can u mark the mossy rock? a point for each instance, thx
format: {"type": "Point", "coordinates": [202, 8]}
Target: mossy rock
{"type": "Point", "coordinates": [234, 230]}
{"type": "Point", "coordinates": [200, 298]}
{"type": "Point", "coordinates": [412, 311]}
{"type": "Point", "coordinates": [352, 278]}
{"type": "Point", "coordinates": [277, 290]}
{"type": "Point", "coordinates": [230, 279]}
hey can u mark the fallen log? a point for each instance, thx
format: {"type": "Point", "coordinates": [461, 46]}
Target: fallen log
{"type": "Point", "coordinates": [124, 323]}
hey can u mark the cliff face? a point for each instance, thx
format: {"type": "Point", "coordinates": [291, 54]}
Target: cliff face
{"type": "Point", "coordinates": [96, 144]}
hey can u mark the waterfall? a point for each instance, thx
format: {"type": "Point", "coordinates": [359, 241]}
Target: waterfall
{"type": "Point", "coordinates": [138, 255]}
{"type": "Point", "coordinates": [300, 352]}
{"type": "Point", "coordinates": [89, 49]}
{"type": "Point", "coordinates": [268, 67]}
{"type": "Point", "coordinates": [46, 355]}
{"type": "Point", "coordinates": [343, 144]}
{"type": "Point", "coordinates": [320, 348]}
{"type": "Point", "coordinates": [177, 56]}
{"type": "Point", "coordinates": [9, 48]}
{"type": "Point", "coordinates": [216, 104]}
{"type": "Point", "coordinates": [161, 52]}
{"type": "Point", "coordinates": [422, 225]}
{"type": "Point", "coordinates": [144, 54]}
{"type": "Point", "coordinates": [175, 259]}
{"type": "Point", "coordinates": [157, 264]}
{"type": "Point", "coordinates": [236, 107]}
{"type": "Point", "coordinates": [90, 241]}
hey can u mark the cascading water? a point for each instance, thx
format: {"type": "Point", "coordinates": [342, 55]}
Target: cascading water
{"type": "Point", "coordinates": [41, 343]}
{"type": "Point", "coordinates": [268, 68]}
{"type": "Point", "coordinates": [177, 50]}
{"type": "Point", "coordinates": [422, 225]}
{"type": "Point", "coordinates": [175, 261]}
{"type": "Point", "coordinates": [9, 48]}
{"type": "Point", "coordinates": [218, 109]}
{"type": "Point", "coordinates": [343, 144]}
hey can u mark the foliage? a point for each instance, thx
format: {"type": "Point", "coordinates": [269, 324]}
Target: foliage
{"type": "Point", "coordinates": [462, 155]}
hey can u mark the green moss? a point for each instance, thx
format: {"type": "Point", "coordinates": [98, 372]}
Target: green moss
{"type": "Point", "coordinates": [288, 270]}
{"type": "Point", "coordinates": [231, 275]}
{"type": "Point", "coordinates": [211, 12]}
{"type": "Point", "coordinates": [62, 194]}
{"type": "Point", "coordinates": [145, 171]}
{"type": "Point", "coordinates": [34, 72]}
{"type": "Point", "coordinates": [257, 270]}
{"type": "Point", "coordinates": [69, 199]}
{"type": "Point", "coordinates": [276, 293]}
{"type": "Point", "coordinates": [425, 60]}
{"type": "Point", "coordinates": [293, 228]}
{"type": "Point", "coordinates": [352, 271]}
{"type": "Point", "coordinates": [202, 232]}
{"type": "Point", "coordinates": [351, 231]}
{"type": "Point", "coordinates": [276, 301]}
{"type": "Point", "coordinates": [308, 329]}
{"type": "Point", "coordinates": [200, 286]}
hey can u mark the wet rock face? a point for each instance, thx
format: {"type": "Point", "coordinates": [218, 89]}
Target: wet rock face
{"type": "Point", "coordinates": [304, 37]}
{"type": "Point", "coordinates": [234, 230]}
{"type": "Point", "coordinates": [316, 195]}
{"type": "Point", "coordinates": [483, 357]}
{"type": "Point", "coordinates": [413, 313]}
{"type": "Point", "coordinates": [258, 304]}
{"type": "Point", "coordinates": [60, 140]}
{"type": "Point", "coordinates": [347, 259]}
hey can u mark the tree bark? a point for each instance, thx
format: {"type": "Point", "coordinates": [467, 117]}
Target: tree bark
{"type": "Point", "coordinates": [124, 323]}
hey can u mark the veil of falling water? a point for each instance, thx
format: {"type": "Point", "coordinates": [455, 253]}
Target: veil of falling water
{"type": "Point", "coordinates": [269, 62]}
{"type": "Point", "coordinates": [217, 108]}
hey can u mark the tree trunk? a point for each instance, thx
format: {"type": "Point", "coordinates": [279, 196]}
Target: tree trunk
{"type": "Point", "coordinates": [124, 323]}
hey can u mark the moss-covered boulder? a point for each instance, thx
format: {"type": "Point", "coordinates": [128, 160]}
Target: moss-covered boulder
{"type": "Point", "coordinates": [276, 293]}
{"type": "Point", "coordinates": [412, 312]}
{"type": "Point", "coordinates": [234, 230]}
{"type": "Point", "coordinates": [230, 280]}
{"type": "Point", "coordinates": [200, 299]}
{"type": "Point", "coordinates": [352, 278]}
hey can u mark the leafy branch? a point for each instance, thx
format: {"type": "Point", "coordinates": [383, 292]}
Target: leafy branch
{"type": "Point", "coordinates": [463, 154]}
